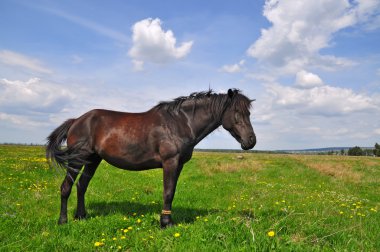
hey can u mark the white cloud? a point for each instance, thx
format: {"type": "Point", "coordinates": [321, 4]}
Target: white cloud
{"type": "Point", "coordinates": [151, 43]}
{"type": "Point", "coordinates": [16, 59]}
{"type": "Point", "coordinates": [368, 13]}
{"type": "Point", "coordinates": [32, 96]}
{"type": "Point", "coordinates": [307, 80]}
{"type": "Point", "coordinates": [300, 29]}
{"type": "Point", "coordinates": [235, 68]}
{"type": "Point", "coordinates": [23, 121]}
{"type": "Point", "coordinates": [321, 100]}
{"type": "Point", "coordinates": [377, 131]}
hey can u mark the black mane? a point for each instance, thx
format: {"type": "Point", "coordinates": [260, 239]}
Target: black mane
{"type": "Point", "coordinates": [216, 102]}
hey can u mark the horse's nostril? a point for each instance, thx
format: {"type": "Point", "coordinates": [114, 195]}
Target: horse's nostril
{"type": "Point", "coordinates": [252, 139]}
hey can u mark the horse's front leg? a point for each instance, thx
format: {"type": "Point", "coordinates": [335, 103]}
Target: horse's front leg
{"type": "Point", "coordinates": [171, 170]}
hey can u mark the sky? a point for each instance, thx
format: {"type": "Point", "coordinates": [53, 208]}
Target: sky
{"type": "Point", "coordinates": [312, 66]}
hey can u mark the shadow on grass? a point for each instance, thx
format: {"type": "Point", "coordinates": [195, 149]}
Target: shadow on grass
{"type": "Point", "coordinates": [180, 214]}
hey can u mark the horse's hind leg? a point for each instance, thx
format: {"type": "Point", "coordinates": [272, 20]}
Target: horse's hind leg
{"type": "Point", "coordinates": [84, 180]}
{"type": "Point", "coordinates": [66, 186]}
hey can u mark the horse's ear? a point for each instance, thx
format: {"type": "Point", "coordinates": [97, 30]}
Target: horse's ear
{"type": "Point", "coordinates": [252, 100]}
{"type": "Point", "coordinates": [230, 93]}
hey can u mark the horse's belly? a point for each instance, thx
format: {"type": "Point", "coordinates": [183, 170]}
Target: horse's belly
{"type": "Point", "coordinates": [133, 166]}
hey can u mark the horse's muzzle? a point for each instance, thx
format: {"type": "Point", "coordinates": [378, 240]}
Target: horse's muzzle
{"type": "Point", "coordinates": [249, 143]}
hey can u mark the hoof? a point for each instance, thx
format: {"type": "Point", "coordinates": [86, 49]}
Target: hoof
{"type": "Point", "coordinates": [166, 221]}
{"type": "Point", "coordinates": [62, 221]}
{"type": "Point", "coordinates": [80, 217]}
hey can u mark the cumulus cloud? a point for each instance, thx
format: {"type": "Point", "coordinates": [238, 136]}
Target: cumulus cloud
{"type": "Point", "coordinates": [16, 59]}
{"type": "Point", "coordinates": [307, 80]}
{"type": "Point", "coordinates": [32, 96]}
{"type": "Point", "coordinates": [235, 68]}
{"type": "Point", "coordinates": [300, 29]}
{"type": "Point", "coordinates": [152, 44]}
{"type": "Point", "coordinates": [322, 100]}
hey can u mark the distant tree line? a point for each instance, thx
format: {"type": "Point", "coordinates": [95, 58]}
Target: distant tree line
{"type": "Point", "coordinates": [357, 151]}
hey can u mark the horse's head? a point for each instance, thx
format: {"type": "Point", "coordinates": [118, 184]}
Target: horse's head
{"type": "Point", "coordinates": [236, 120]}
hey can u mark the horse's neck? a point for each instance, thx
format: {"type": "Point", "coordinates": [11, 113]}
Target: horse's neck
{"type": "Point", "coordinates": [202, 123]}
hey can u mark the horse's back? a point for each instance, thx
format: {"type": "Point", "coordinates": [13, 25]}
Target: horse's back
{"type": "Point", "coordinates": [98, 123]}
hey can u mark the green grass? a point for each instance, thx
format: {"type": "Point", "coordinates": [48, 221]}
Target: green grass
{"type": "Point", "coordinates": [311, 203]}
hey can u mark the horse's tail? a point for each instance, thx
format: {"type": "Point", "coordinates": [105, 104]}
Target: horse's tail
{"type": "Point", "coordinates": [58, 156]}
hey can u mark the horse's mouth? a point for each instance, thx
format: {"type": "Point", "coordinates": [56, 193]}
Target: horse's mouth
{"type": "Point", "coordinates": [245, 147]}
{"type": "Point", "coordinates": [246, 144]}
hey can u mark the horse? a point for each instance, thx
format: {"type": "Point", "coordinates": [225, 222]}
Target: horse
{"type": "Point", "coordinates": [162, 137]}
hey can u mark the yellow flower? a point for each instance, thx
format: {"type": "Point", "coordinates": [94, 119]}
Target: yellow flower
{"type": "Point", "coordinates": [271, 233]}
{"type": "Point", "coordinates": [138, 221]}
{"type": "Point", "coordinates": [130, 228]}
{"type": "Point", "coordinates": [98, 244]}
{"type": "Point", "coordinates": [176, 235]}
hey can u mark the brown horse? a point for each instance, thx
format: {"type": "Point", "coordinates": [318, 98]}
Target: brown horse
{"type": "Point", "coordinates": [163, 137]}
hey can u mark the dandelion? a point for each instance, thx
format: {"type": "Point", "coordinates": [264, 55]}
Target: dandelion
{"type": "Point", "coordinates": [176, 235]}
{"type": "Point", "coordinates": [98, 244]}
{"type": "Point", "coordinates": [114, 239]}
{"type": "Point", "coordinates": [122, 237]}
{"type": "Point", "coordinates": [130, 228]}
{"type": "Point", "coordinates": [205, 220]}
{"type": "Point", "coordinates": [138, 221]}
{"type": "Point", "coordinates": [271, 233]}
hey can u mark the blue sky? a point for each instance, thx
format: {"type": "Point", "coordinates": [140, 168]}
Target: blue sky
{"type": "Point", "coordinates": [312, 66]}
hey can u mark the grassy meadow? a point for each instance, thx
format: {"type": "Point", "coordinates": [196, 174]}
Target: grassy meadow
{"type": "Point", "coordinates": [262, 202]}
